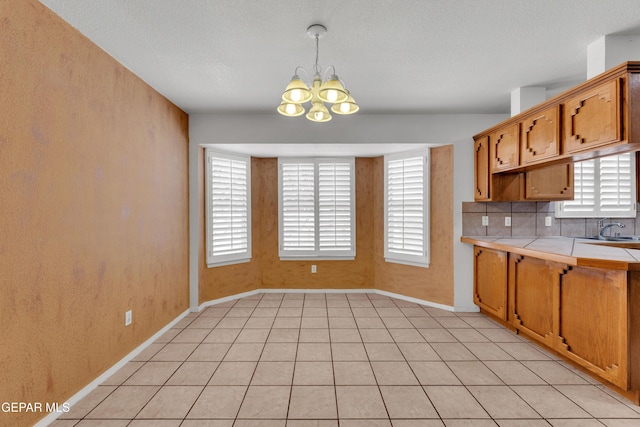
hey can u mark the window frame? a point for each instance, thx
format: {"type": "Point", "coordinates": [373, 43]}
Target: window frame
{"type": "Point", "coordinates": [317, 253]}
{"type": "Point", "coordinates": [213, 260]}
{"type": "Point", "coordinates": [396, 257]}
{"type": "Point", "coordinates": [597, 212]}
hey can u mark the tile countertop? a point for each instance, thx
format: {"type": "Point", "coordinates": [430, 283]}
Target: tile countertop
{"type": "Point", "coordinates": [567, 250]}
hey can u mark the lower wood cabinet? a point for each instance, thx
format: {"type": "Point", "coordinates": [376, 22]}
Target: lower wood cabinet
{"type": "Point", "coordinates": [490, 287]}
{"type": "Point", "coordinates": [532, 284]}
{"type": "Point", "coordinates": [593, 330]}
{"type": "Point", "coordinates": [591, 316]}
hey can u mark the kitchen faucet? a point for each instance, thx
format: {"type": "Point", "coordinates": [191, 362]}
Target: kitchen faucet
{"type": "Point", "coordinates": [602, 227]}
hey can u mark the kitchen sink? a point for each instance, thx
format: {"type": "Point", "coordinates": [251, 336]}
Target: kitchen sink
{"type": "Point", "coordinates": [615, 238]}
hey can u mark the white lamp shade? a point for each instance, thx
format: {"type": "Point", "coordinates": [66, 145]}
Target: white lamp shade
{"type": "Point", "coordinates": [290, 109]}
{"type": "Point", "coordinates": [332, 91]}
{"type": "Point", "coordinates": [347, 107]}
{"type": "Point", "coordinates": [296, 92]}
{"type": "Point", "coordinates": [318, 113]}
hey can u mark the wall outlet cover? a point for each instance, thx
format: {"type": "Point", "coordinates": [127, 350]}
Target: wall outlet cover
{"type": "Point", "coordinates": [485, 221]}
{"type": "Point", "coordinates": [548, 221]}
{"type": "Point", "coordinates": [507, 221]}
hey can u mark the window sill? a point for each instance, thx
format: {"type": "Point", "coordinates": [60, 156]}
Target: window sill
{"type": "Point", "coordinates": [323, 258]}
{"type": "Point", "coordinates": [231, 262]}
{"type": "Point", "coordinates": [404, 262]}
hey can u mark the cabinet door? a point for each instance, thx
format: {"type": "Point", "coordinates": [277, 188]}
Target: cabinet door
{"type": "Point", "coordinates": [593, 328]}
{"type": "Point", "coordinates": [505, 148]}
{"type": "Point", "coordinates": [490, 281]}
{"type": "Point", "coordinates": [549, 183]}
{"type": "Point", "coordinates": [482, 187]}
{"type": "Point", "coordinates": [593, 119]}
{"type": "Point", "coordinates": [540, 136]}
{"type": "Point", "coordinates": [532, 285]}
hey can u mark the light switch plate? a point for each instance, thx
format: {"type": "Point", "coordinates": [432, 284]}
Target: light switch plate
{"type": "Point", "coordinates": [548, 221]}
{"type": "Point", "coordinates": [507, 221]}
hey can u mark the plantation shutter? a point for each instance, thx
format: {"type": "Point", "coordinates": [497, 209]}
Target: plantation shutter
{"type": "Point", "coordinates": [406, 214]}
{"type": "Point", "coordinates": [617, 194]}
{"type": "Point", "coordinates": [584, 193]}
{"type": "Point", "coordinates": [334, 206]}
{"type": "Point", "coordinates": [316, 203]}
{"type": "Point", "coordinates": [228, 213]}
{"type": "Point", "coordinates": [604, 187]}
{"type": "Point", "coordinates": [298, 207]}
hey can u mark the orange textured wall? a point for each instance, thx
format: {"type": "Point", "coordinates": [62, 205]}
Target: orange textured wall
{"type": "Point", "coordinates": [369, 270]}
{"type": "Point", "coordinates": [94, 217]}
{"type": "Point", "coordinates": [220, 282]}
{"type": "Point", "coordinates": [435, 283]}
{"type": "Point", "coordinates": [330, 274]}
{"type": "Point", "coordinates": [265, 269]}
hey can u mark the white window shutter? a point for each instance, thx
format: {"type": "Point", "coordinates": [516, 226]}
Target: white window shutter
{"type": "Point", "coordinates": [316, 208]}
{"type": "Point", "coordinates": [616, 176]}
{"type": "Point", "coordinates": [584, 193]}
{"type": "Point", "coordinates": [229, 208]}
{"type": "Point", "coordinates": [298, 207]}
{"type": "Point", "coordinates": [406, 208]}
{"type": "Point", "coordinates": [335, 207]}
{"type": "Point", "coordinates": [604, 188]}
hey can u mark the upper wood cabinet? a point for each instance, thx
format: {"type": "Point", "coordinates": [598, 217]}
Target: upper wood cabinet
{"type": "Point", "coordinates": [550, 183]}
{"type": "Point", "coordinates": [540, 136]}
{"type": "Point", "coordinates": [505, 148]}
{"type": "Point", "coordinates": [593, 118]}
{"type": "Point", "coordinates": [482, 188]}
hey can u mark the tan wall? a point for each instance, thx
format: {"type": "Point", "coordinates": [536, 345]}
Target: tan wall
{"type": "Point", "coordinates": [368, 270]}
{"type": "Point", "coordinates": [330, 274]}
{"type": "Point", "coordinates": [435, 283]}
{"type": "Point", "coordinates": [220, 282]}
{"type": "Point", "coordinates": [94, 216]}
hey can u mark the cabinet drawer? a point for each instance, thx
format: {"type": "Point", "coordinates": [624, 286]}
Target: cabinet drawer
{"type": "Point", "coordinates": [593, 119]}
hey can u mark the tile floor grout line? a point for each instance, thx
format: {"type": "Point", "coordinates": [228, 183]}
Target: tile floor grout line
{"type": "Point", "coordinates": [378, 305]}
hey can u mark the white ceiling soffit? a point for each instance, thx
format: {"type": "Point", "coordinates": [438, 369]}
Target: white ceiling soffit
{"type": "Point", "coordinates": [395, 56]}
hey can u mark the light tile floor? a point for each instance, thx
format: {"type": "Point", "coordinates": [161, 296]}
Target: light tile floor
{"type": "Point", "coordinates": [348, 360]}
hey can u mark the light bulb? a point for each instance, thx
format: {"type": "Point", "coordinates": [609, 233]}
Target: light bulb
{"type": "Point", "coordinates": [296, 95]}
{"type": "Point", "coordinates": [318, 115]}
{"type": "Point", "coordinates": [332, 95]}
{"type": "Point", "coordinates": [344, 107]}
{"type": "Point", "coordinates": [291, 108]}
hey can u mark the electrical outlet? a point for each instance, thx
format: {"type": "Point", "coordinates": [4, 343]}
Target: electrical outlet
{"type": "Point", "coordinates": [485, 221]}
{"type": "Point", "coordinates": [313, 269]}
{"type": "Point", "coordinates": [128, 318]}
{"type": "Point", "coordinates": [507, 221]}
{"type": "Point", "coordinates": [548, 221]}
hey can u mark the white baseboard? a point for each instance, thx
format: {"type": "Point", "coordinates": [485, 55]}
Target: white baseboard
{"type": "Point", "coordinates": [95, 383]}
{"type": "Point", "coordinates": [109, 372]}
{"type": "Point", "coordinates": [427, 303]}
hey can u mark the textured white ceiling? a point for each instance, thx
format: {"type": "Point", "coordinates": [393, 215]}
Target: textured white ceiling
{"type": "Point", "coordinates": [396, 56]}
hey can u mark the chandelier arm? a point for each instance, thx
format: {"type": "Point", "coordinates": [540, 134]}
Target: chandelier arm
{"type": "Point", "coordinates": [324, 76]}
{"type": "Point", "coordinates": [304, 71]}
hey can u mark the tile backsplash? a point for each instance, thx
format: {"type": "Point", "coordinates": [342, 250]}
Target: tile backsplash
{"type": "Point", "coordinates": [528, 219]}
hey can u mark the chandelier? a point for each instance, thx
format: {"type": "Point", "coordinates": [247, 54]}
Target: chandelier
{"type": "Point", "coordinates": [322, 90]}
